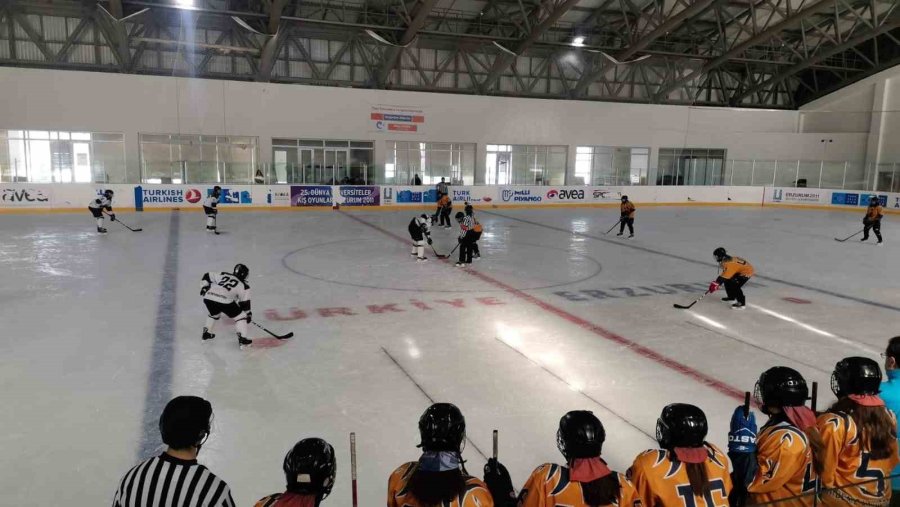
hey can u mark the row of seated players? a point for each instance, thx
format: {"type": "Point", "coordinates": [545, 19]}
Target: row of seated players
{"type": "Point", "coordinates": [846, 453]}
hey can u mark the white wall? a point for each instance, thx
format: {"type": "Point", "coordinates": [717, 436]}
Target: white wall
{"type": "Point", "coordinates": [48, 99]}
{"type": "Point", "coordinates": [871, 105]}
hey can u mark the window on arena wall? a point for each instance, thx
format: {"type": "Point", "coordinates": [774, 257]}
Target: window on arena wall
{"type": "Point", "coordinates": [515, 164]}
{"type": "Point", "coordinates": [691, 166]}
{"type": "Point", "coordinates": [194, 158]}
{"type": "Point", "coordinates": [321, 161]}
{"type": "Point", "coordinates": [51, 156]}
{"type": "Point", "coordinates": [455, 162]}
{"type": "Point", "coordinates": [611, 165]}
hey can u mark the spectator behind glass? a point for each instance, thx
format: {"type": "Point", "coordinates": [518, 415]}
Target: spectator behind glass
{"type": "Point", "coordinates": [890, 393]}
{"type": "Point", "coordinates": [174, 478]}
{"type": "Point", "coordinates": [442, 188]}
{"type": "Point", "coordinates": [416, 180]}
{"type": "Point", "coordinates": [309, 470]}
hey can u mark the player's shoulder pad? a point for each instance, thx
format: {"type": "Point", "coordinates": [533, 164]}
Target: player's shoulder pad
{"type": "Point", "coordinates": [546, 471]}
{"type": "Point", "coordinates": [246, 285]}
{"type": "Point", "coordinates": [651, 458]}
{"type": "Point", "coordinates": [404, 470]}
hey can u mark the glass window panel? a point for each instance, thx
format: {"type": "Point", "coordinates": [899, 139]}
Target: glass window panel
{"type": "Point", "coordinates": [362, 144]}
{"type": "Point", "coordinates": [833, 175]}
{"type": "Point", "coordinates": [17, 134]}
{"type": "Point", "coordinates": [742, 174]}
{"type": "Point", "coordinates": [64, 136]}
{"type": "Point", "coordinates": [155, 138]}
{"type": "Point", "coordinates": [40, 168]}
{"type": "Point", "coordinates": [763, 173]}
{"type": "Point", "coordinates": [884, 177]}
{"type": "Point", "coordinates": [157, 161]}
{"type": "Point", "coordinates": [556, 168]}
{"type": "Point", "coordinates": [362, 165]}
{"type": "Point", "coordinates": [6, 173]}
{"type": "Point", "coordinates": [82, 161]}
{"type": "Point", "coordinates": [18, 160]}
{"type": "Point", "coordinates": [54, 136]}
{"type": "Point", "coordinates": [81, 136]}
{"type": "Point", "coordinates": [241, 140]}
{"type": "Point", "coordinates": [283, 142]}
{"type": "Point", "coordinates": [786, 173]}
{"type": "Point", "coordinates": [809, 174]}
{"type": "Point", "coordinates": [106, 137]}
{"type": "Point", "coordinates": [311, 142]}
{"type": "Point", "coordinates": [40, 134]}
{"type": "Point", "coordinates": [337, 144]}
{"type": "Point", "coordinates": [729, 169]}
{"type": "Point", "coordinates": [61, 160]}
{"type": "Point", "coordinates": [855, 177]}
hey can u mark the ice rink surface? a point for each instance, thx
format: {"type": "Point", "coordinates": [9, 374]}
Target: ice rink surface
{"type": "Point", "coordinates": [100, 331]}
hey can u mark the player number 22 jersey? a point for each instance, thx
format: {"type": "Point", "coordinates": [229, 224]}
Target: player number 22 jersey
{"type": "Point", "coordinates": [226, 288]}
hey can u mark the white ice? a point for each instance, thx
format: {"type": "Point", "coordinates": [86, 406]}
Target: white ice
{"type": "Point", "coordinates": [526, 334]}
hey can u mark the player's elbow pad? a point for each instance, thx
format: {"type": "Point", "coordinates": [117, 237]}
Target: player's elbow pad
{"type": "Point", "coordinates": [245, 306]}
{"type": "Point", "coordinates": [206, 279]}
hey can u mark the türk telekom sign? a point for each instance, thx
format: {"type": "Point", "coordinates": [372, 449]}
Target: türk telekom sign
{"type": "Point", "coordinates": [397, 119]}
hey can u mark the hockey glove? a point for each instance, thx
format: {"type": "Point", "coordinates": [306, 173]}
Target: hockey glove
{"type": "Point", "coordinates": [429, 241]}
{"type": "Point", "coordinates": [742, 437]}
{"type": "Point", "coordinates": [204, 290]}
{"type": "Point", "coordinates": [713, 286]}
{"type": "Point", "coordinates": [249, 317]}
{"type": "Point", "coordinates": [112, 217]}
{"type": "Point", "coordinates": [499, 483]}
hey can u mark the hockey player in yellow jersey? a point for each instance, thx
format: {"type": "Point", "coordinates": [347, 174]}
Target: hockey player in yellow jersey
{"type": "Point", "coordinates": [686, 470]}
{"type": "Point", "coordinates": [439, 477]}
{"type": "Point", "coordinates": [585, 480]}
{"type": "Point", "coordinates": [860, 437]}
{"type": "Point", "coordinates": [783, 462]}
{"type": "Point", "coordinates": [309, 469]}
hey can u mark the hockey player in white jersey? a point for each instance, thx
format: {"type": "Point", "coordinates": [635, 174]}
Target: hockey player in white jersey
{"type": "Point", "coordinates": [420, 231]}
{"type": "Point", "coordinates": [227, 293]}
{"type": "Point", "coordinates": [96, 207]}
{"type": "Point", "coordinates": [210, 207]}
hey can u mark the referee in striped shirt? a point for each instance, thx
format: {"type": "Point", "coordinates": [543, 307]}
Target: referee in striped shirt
{"type": "Point", "coordinates": [174, 478]}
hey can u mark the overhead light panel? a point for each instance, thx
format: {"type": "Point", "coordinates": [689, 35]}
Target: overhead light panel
{"type": "Point", "coordinates": [578, 41]}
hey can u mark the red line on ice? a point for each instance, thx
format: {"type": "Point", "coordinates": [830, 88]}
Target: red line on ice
{"type": "Point", "coordinates": [637, 348]}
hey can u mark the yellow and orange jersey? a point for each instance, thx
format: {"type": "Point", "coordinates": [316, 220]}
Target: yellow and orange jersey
{"type": "Point", "coordinates": [444, 202]}
{"type": "Point", "coordinates": [549, 486]}
{"type": "Point", "coordinates": [874, 212]}
{"type": "Point", "coordinates": [475, 495]}
{"type": "Point", "coordinates": [662, 482]}
{"type": "Point", "coordinates": [785, 466]}
{"type": "Point", "coordinates": [735, 266]}
{"type": "Point", "coordinates": [848, 461]}
{"type": "Point", "coordinates": [627, 209]}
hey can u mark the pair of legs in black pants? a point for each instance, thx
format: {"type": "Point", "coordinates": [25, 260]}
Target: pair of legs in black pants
{"type": "Point", "coordinates": [875, 226]}
{"type": "Point", "coordinates": [629, 222]}
{"type": "Point", "coordinates": [445, 216]}
{"type": "Point", "coordinates": [733, 289]}
{"type": "Point", "coordinates": [467, 247]}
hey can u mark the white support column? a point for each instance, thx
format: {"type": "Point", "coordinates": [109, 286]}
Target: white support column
{"type": "Point", "coordinates": [876, 127]}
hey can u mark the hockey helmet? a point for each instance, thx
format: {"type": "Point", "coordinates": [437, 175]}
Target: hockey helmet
{"type": "Point", "coordinates": [460, 216]}
{"type": "Point", "coordinates": [781, 387]}
{"type": "Point", "coordinates": [241, 271]}
{"type": "Point", "coordinates": [185, 422]}
{"type": "Point", "coordinates": [856, 375]}
{"type": "Point", "coordinates": [580, 435]}
{"type": "Point", "coordinates": [720, 254]}
{"type": "Point", "coordinates": [108, 193]}
{"type": "Point", "coordinates": [681, 425]}
{"type": "Point", "coordinates": [442, 428]}
{"type": "Point", "coordinates": [310, 468]}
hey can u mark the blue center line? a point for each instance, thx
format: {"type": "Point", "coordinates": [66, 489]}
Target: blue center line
{"type": "Point", "coordinates": [159, 377]}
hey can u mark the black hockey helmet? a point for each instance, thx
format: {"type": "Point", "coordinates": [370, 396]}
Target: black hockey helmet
{"type": "Point", "coordinates": [781, 387]}
{"type": "Point", "coordinates": [310, 467]}
{"type": "Point", "coordinates": [469, 209]}
{"type": "Point", "coordinates": [241, 271]}
{"type": "Point", "coordinates": [874, 200]}
{"type": "Point", "coordinates": [720, 254]}
{"type": "Point", "coordinates": [681, 425]}
{"type": "Point", "coordinates": [624, 198]}
{"type": "Point", "coordinates": [217, 190]}
{"type": "Point", "coordinates": [856, 375]}
{"type": "Point", "coordinates": [185, 422]}
{"type": "Point", "coordinates": [460, 216]}
{"type": "Point", "coordinates": [108, 193]}
{"type": "Point", "coordinates": [442, 428]}
{"type": "Point", "coordinates": [580, 435]}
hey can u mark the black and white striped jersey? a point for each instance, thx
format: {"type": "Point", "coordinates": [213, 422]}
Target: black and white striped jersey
{"type": "Point", "coordinates": [466, 225]}
{"type": "Point", "coordinates": [101, 202]}
{"type": "Point", "coordinates": [166, 481]}
{"type": "Point", "coordinates": [226, 288]}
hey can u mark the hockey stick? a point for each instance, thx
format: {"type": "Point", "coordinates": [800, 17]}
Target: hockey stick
{"type": "Point", "coordinates": [815, 394]}
{"type": "Point", "coordinates": [139, 229]}
{"type": "Point", "coordinates": [746, 404]}
{"type": "Point", "coordinates": [280, 337]}
{"type": "Point", "coordinates": [353, 469]}
{"type": "Point", "coordinates": [685, 307]}
{"type": "Point", "coordinates": [848, 237]}
{"type": "Point", "coordinates": [439, 256]}
{"type": "Point", "coordinates": [613, 227]}
{"type": "Point", "coordinates": [495, 444]}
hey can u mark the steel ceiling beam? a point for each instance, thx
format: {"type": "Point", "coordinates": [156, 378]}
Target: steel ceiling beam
{"type": "Point", "coordinates": [642, 43]}
{"type": "Point", "coordinates": [418, 17]}
{"type": "Point", "coordinates": [767, 34]}
{"type": "Point", "coordinates": [505, 59]}
{"type": "Point", "coordinates": [822, 55]}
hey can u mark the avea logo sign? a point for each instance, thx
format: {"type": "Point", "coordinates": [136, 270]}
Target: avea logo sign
{"type": "Point", "coordinates": [566, 195]}
{"type": "Point", "coordinates": [24, 195]}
